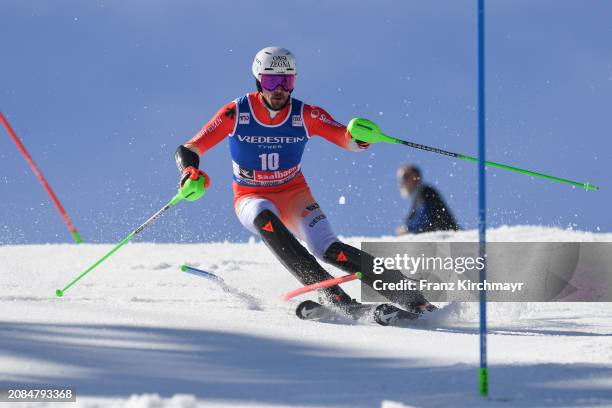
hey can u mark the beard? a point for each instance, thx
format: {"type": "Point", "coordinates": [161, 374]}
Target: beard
{"type": "Point", "coordinates": [276, 100]}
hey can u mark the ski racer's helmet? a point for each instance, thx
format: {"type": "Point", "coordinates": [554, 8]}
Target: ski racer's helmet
{"type": "Point", "coordinates": [275, 61]}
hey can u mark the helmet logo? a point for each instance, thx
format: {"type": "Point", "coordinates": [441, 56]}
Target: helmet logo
{"type": "Point", "coordinates": [280, 61]}
{"type": "Point", "coordinates": [274, 60]}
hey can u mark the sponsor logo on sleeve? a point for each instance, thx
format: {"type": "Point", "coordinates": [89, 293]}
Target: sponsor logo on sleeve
{"type": "Point", "coordinates": [230, 112]}
{"type": "Point", "coordinates": [316, 114]}
{"type": "Point", "coordinates": [328, 121]}
{"type": "Point", "coordinates": [215, 124]}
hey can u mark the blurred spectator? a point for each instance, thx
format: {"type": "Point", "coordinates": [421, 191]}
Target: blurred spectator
{"type": "Point", "coordinates": [428, 212]}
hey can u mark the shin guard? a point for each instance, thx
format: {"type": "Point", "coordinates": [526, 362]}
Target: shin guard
{"type": "Point", "coordinates": [349, 259]}
{"type": "Point", "coordinates": [293, 255]}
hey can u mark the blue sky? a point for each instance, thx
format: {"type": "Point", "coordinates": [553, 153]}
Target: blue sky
{"type": "Point", "coordinates": [102, 93]}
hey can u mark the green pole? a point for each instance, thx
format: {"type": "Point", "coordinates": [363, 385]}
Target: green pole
{"type": "Point", "coordinates": [175, 200]}
{"type": "Point", "coordinates": [484, 381]}
{"type": "Point", "coordinates": [586, 186]}
{"type": "Point", "coordinates": [368, 131]}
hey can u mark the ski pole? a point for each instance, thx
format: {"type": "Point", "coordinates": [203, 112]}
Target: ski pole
{"type": "Point", "coordinates": [320, 285]}
{"type": "Point", "coordinates": [41, 178]}
{"type": "Point", "coordinates": [368, 131]}
{"type": "Point", "coordinates": [198, 272]}
{"type": "Point", "coordinates": [175, 200]}
{"type": "Point", "coordinates": [249, 300]}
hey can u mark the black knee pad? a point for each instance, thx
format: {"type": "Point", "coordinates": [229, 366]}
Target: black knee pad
{"type": "Point", "coordinates": [265, 221]}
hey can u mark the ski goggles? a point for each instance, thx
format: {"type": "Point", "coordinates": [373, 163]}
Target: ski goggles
{"type": "Point", "coordinates": [271, 82]}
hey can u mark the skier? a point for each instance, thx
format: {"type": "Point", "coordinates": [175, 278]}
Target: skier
{"type": "Point", "coordinates": [268, 131]}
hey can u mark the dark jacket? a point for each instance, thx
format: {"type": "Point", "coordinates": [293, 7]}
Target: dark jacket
{"type": "Point", "coordinates": [429, 212]}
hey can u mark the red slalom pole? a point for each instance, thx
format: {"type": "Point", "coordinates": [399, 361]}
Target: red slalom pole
{"type": "Point", "coordinates": [41, 178]}
{"type": "Point", "coordinates": [320, 285]}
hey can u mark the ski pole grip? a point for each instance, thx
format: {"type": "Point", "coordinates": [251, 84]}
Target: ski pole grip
{"type": "Point", "coordinates": [368, 131]}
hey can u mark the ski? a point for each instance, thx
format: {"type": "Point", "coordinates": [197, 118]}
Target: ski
{"type": "Point", "coordinates": [384, 314]}
{"type": "Point", "coordinates": [311, 310]}
{"type": "Point", "coordinates": [389, 315]}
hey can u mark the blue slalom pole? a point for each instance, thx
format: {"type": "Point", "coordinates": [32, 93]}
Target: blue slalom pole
{"type": "Point", "coordinates": [201, 273]}
{"type": "Point", "coordinates": [249, 300]}
{"type": "Point", "coordinates": [482, 215]}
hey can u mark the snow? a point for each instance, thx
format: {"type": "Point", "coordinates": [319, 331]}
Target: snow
{"type": "Point", "coordinates": [138, 332]}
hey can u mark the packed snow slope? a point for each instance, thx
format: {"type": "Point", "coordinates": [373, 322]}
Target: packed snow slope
{"type": "Point", "coordinates": [137, 331]}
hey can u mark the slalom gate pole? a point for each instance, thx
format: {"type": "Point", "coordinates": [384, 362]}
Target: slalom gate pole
{"type": "Point", "coordinates": [175, 200]}
{"type": "Point", "coordinates": [320, 285]}
{"type": "Point", "coordinates": [75, 234]}
{"type": "Point", "coordinates": [483, 374]}
{"type": "Point", "coordinates": [201, 273]}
